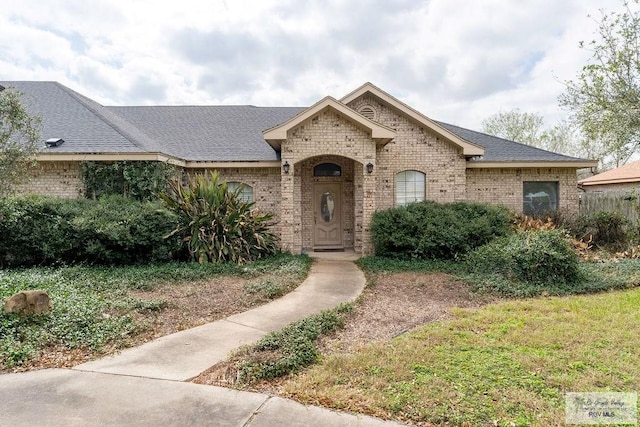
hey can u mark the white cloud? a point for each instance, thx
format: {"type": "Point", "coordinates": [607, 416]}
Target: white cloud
{"type": "Point", "coordinates": [454, 60]}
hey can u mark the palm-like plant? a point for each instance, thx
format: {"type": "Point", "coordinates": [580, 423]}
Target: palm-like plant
{"type": "Point", "coordinates": [215, 224]}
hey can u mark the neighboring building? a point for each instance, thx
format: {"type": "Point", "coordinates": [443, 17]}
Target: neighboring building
{"type": "Point", "coordinates": [323, 170]}
{"type": "Point", "coordinates": [623, 179]}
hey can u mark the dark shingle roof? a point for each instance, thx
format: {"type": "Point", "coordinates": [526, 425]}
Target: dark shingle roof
{"type": "Point", "coordinates": [503, 150]}
{"type": "Point", "coordinates": [195, 133]}
{"type": "Point", "coordinates": [83, 124]}
{"type": "Point", "coordinates": [210, 133]}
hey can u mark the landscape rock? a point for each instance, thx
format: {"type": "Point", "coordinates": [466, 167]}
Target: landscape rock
{"type": "Point", "coordinates": [28, 302]}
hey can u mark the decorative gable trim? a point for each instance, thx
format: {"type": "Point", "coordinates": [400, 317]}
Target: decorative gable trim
{"type": "Point", "coordinates": [468, 149]}
{"type": "Point", "coordinates": [277, 134]}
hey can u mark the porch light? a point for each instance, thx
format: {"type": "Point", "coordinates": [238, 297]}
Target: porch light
{"type": "Point", "coordinates": [369, 167]}
{"type": "Point", "coordinates": [286, 167]}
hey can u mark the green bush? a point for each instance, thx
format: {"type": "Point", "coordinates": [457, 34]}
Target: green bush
{"type": "Point", "coordinates": [216, 225]}
{"type": "Point", "coordinates": [540, 258]}
{"type": "Point", "coordinates": [603, 229]}
{"type": "Point", "coordinates": [428, 230]}
{"type": "Point", "coordinates": [38, 230]}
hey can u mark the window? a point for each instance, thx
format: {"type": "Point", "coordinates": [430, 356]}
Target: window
{"type": "Point", "coordinates": [539, 197]}
{"type": "Point", "coordinates": [410, 187]}
{"type": "Point", "coordinates": [245, 194]}
{"type": "Point", "coordinates": [327, 169]}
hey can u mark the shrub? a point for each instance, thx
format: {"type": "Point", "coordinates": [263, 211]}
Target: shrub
{"type": "Point", "coordinates": [540, 258]}
{"type": "Point", "coordinates": [139, 180]}
{"type": "Point", "coordinates": [604, 229]}
{"type": "Point", "coordinates": [38, 230]}
{"type": "Point", "coordinates": [116, 230]}
{"type": "Point", "coordinates": [428, 230]}
{"type": "Point", "coordinates": [216, 225]}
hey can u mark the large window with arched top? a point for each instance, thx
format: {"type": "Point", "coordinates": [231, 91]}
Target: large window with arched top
{"type": "Point", "coordinates": [410, 187]}
{"type": "Point", "coordinates": [246, 191]}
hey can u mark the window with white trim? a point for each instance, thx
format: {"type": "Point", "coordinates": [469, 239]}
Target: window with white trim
{"type": "Point", "coordinates": [246, 192]}
{"type": "Point", "coordinates": [410, 187]}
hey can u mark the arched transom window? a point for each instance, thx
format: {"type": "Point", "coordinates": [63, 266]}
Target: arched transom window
{"type": "Point", "coordinates": [410, 187]}
{"type": "Point", "coordinates": [327, 169]}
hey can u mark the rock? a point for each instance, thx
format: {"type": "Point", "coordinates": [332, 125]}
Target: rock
{"type": "Point", "coordinates": [28, 302]}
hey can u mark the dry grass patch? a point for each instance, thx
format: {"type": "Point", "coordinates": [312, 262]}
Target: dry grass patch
{"type": "Point", "coordinates": [508, 363]}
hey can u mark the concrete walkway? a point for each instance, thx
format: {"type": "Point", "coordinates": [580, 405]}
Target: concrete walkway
{"type": "Point", "coordinates": [145, 386]}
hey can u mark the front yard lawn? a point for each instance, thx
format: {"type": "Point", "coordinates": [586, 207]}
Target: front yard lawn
{"type": "Point", "coordinates": [506, 363]}
{"type": "Point", "coordinates": [98, 310]}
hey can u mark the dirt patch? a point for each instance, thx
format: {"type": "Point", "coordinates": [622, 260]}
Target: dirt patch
{"type": "Point", "coordinates": [397, 303]}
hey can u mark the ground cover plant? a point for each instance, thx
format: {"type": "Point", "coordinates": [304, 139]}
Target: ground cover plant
{"type": "Point", "coordinates": [97, 310]}
{"type": "Point", "coordinates": [506, 363]}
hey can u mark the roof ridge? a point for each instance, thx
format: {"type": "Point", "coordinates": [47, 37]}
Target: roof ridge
{"type": "Point", "coordinates": [134, 135]}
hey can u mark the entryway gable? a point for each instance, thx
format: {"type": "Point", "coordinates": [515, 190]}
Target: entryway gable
{"type": "Point", "coordinates": [368, 89]}
{"type": "Point", "coordinates": [276, 135]}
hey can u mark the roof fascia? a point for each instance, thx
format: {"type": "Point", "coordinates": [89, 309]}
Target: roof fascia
{"type": "Point", "coordinates": [579, 164]}
{"type": "Point", "coordinates": [468, 148]}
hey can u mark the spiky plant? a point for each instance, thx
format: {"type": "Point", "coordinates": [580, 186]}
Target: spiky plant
{"type": "Point", "coordinates": [216, 225]}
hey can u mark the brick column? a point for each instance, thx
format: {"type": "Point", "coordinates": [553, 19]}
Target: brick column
{"type": "Point", "coordinates": [287, 208]}
{"type": "Point", "coordinates": [368, 206]}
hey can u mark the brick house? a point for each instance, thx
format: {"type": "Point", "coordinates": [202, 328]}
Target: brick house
{"type": "Point", "coordinates": [323, 170]}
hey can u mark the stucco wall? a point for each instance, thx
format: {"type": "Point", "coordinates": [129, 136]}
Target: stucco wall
{"type": "Point", "coordinates": [59, 179]}
{"type": "Point", "coordinates": [504, 186]}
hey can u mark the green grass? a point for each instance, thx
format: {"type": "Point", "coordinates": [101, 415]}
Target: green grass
{"type": "Point", "coordinates": [509, 363]}
{"type": "Point", "coordinates": [92, 306]}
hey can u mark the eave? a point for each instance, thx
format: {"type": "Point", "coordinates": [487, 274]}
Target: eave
{"type": "Point", "coordinates": [578, 164]}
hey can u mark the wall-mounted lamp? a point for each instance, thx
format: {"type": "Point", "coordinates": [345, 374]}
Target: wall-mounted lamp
{"type": "Point", "coordinates": [286, 167]}
{"type": "Point", "coordinates": [369, 167]}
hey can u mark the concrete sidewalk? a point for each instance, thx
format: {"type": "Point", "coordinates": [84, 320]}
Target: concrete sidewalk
{"type": "Point", "coordinates": [144, 386]}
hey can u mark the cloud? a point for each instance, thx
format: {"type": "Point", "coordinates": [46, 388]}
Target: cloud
{"type": "Point", "coordinates": [454, 60]}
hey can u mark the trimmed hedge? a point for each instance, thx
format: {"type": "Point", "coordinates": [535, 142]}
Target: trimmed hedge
{"type": "Point", "coordinates": [429, 230]}
{"type": "Point", "coordinates": [38, 230]}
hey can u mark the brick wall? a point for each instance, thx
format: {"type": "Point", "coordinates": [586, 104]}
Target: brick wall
{"type": "Point", "coordinates": [504, 186]}
{"type": "Point", "coordinates": [60, 179]}
{"type": "Point", "coordinates": [327, 136]}
{"type": "Point", "coordinates": [415, 147]}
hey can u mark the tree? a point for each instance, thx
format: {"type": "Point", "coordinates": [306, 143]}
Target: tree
{"type": "Point", "coordinates": [515, 125]}
{"type": "Point", "coordinates": [604, 100]}
{"type": "Point", "coordinates": [528, 128]}
{"type": "Point", "coordinates": [19, 137]}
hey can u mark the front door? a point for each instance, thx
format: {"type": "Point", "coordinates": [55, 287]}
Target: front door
{"type": "Point", "coordinates": [327, 208]}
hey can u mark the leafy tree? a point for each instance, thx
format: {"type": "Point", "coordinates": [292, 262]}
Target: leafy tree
{"type": "Point", "coordinates": [515, 125]}
{"type": "Point", "coordinates": [528, 128]}
{"type": "Point", "coordinates": [19, 139]}
{"type": "Point", "coordinates": [605, 97]}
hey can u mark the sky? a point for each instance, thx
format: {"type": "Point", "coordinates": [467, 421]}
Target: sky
{"type": "Point", "coordinates": [457, 61]}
